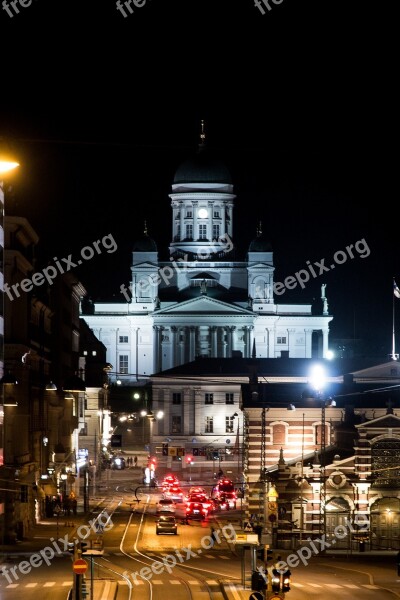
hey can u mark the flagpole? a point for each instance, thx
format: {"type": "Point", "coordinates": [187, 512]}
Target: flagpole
{"type": "Point", "coordinates": [396, 293]}
{"type": "Point", "coordinates": [393, 337]}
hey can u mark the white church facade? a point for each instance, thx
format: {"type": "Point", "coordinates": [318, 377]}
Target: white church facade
{"type": "Point", "coordinates": [203, 302]}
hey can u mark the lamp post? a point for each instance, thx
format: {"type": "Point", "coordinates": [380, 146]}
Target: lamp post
{"type": "Point", "coordinates": [318, 381]}
{"type": "Point", "coordinates": [7, 164]}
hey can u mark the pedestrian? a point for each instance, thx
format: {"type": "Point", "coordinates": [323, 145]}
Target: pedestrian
{"type": "Point", "coordinates": [212, 535]}
{"type": "Point", "coordinates": [74, 503]}
{"type": "Point", "coordinates": [135, 461]}
{"type": "Point", "coordinates": [398, 563]}
{"type": "Point", "coordinates": [220, 473]}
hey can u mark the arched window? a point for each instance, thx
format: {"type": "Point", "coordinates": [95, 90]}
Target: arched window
{"type": "Point", "coordinates": [385, 463]}
{"type": "Point", "coordinates": [279, 434]}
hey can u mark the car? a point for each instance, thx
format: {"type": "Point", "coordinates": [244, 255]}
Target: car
{"type": "Point", "coordinates": [196, 490]}
{"type": "Point", "coordinates": [118, 462]}
{"type": "Point", "coordinates": [170, 480]}
{"type": "Point", "coordinates": [166, 524]}
{"type": "Point", "coordinates": [165, 505]}
{"type": "Point", "coordinates": [174, 493]}
{"type": "Point", "coordinates": [196, 510]}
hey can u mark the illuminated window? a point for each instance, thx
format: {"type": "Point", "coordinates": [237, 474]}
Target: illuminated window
{"type": "Point", "coordinates": [123, 363]}
{"type": "Point", "coordinates": [229, 421]}
{"type": "Point", "coordinates": [202, 232]}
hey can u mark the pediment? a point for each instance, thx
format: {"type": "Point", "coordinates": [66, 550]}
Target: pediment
{"type": "Point", "coordinates": [384, 422]}
{"type": "Point", "coordinates": [260, 265]}
{"type": "Point", "coordinates": [204, 304]}
{"type": "Point", "coordinates": [145, 265]}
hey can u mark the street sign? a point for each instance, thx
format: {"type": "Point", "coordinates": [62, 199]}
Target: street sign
{"type": "Point", "coordinates": [257, 596]}
{"type": "Point", "coordinates": [80, 566]}
{"type": "Point", "coordinates": [246, 538]}
{"type": "Point", "coordinates": [275, 597]}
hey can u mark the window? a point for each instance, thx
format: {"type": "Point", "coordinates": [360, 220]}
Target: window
{"type": "Point", "coordinates": [209, 399]}
{"type": "Point", "coordinates": [229, 421]}
{"type": "Point", "coordinates": [217, 214]}
{"type": "Point", "coordinates": [385, 463]}
{"type": "Point", "coordinates": [94, 352]}
{"type": "Point", "coordinates": [202, 232]}
{"type": "Point", "coordinates": [176, 398]}
{"type": "Point", "coordinates": [281, 340]}
{"type": "Point", "coordinates": [123, 339]}
{"type": "Point", "coordinates": [229, 398]}
{"type": "Point", "coordinates": [176, 424]}
{"type": "Point", "coordinates": [209, 425]}
{"type": "Point", "coordinates": [279, 434]}
{"type": "Point", "coordinates": [189, 231]}
{"type": "Point", "coordinates": [215, 232]}
{"type": "Point", "coordinates": [123, 363]}
{"type": "Point", "coordinates": [189, 214]}
{"type": "Point", "coordinates": [85, 353]}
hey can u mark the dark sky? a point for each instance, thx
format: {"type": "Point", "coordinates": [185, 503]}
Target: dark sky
{"type": "Point", "coordinates": [299, 102]}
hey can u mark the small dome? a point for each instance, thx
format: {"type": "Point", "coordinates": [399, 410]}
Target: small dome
{"type": "Point", "coordinates": [260, 244]}
{"type": "Point", "coordinates": [202, 168]}
{"type": "Point", "coordinates": [145, 244]}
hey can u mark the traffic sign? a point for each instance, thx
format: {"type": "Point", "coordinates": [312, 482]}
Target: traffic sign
{"type": "Point", "coordinates": [80, 566]}
{"type": "Point", "coordinates": [275, 597]}
{"type": "Point", "coordinates": [257, 596]}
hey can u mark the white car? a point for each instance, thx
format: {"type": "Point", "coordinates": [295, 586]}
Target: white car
{"type": "Point", "coordinates": [165, 505]}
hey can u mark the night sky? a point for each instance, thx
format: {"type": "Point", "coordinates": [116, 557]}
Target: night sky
{"type": "Point", "coordinates": [299, 103]}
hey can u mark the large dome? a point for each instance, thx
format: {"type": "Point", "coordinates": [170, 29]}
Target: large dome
{"type": "Point", "coordinates": [202, 168]}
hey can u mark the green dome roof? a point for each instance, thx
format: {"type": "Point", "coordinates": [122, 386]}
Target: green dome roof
{"type": "Point", "coordinates": [145, 244]}
{"type": "Point", "coordinates": [260, 244]}
{"type": "Point", "coordinates": [202, 168]}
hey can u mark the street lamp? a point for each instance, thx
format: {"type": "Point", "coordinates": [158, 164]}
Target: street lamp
{"type": "Point", "coordinates": [317, 381]}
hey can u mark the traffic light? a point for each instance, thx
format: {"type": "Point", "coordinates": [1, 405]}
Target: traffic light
{"type": "Point", "coordinates": [272, 511]}
{"type": "Point", "coordinates": [275, 580]}
{"type": "Point", "coordinates": [286, 581]}
{"type": "Point", "coordinates": [189, 460]}
{"type": "Point", "coordinates": [165, 449]}
{"type": "Point", "coordinates": [270, 555]}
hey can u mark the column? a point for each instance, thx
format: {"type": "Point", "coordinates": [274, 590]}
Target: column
{"type": "Point", "coordinates": [157, 347]}
{"type": "Point", "coordinates": [214, 341]}
{"type": "Point", "coordinates": [308, 343]}
{"type": "Point", "coordinates": [325, 341]}
{"type": "Point", "coordinates": [174, 331]}
{"type": "Point", "coordinates": [182, 224]}
{"type": "Point", "coordinates": [192, 342]}
{"type": "Point", "coordinates": [223, 222]}
{"type": "Point", "coordinates": [251, 338]}
{"type": "Point", "coordinates": [195, 232]}
{"type": "Point", "coordinates": [271, 342]}
{"type": "Point", "coordinates": [230, 330]}
{"type": "Point", "coordinates": [181, 344]}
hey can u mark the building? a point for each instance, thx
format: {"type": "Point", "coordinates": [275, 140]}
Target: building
{"type": "Point", "coordinates": [204, 301]}
{"type": "Point", "coordinates": [331, 453]}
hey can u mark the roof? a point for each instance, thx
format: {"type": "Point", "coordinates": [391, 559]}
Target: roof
{"type": "Point", "coordinates": [203, 168]}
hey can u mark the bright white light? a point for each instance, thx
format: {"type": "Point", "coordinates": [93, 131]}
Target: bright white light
{"type": "Point", "coordinates": [317, 377]}
{"type": "Point", "coordinates": [159, 414]}
{"type": "Point", "coordinates": [330, 355]}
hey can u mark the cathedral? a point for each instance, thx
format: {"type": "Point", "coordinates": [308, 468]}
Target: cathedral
{"type": "Point", "coordinates": [203, 302]}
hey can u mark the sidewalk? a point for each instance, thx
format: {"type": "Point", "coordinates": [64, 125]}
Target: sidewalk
{"type": "Point", "coordinates": [44, 534]}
